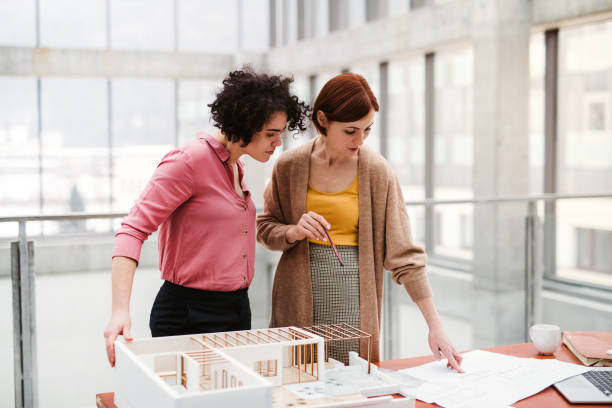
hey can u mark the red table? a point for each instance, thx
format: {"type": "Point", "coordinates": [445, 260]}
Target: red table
{"type": "Point", "coordinates": [549, 398]}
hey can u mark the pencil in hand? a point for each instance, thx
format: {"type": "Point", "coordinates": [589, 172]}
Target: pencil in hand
{"type": "Point", "coordinates": [333, 247]}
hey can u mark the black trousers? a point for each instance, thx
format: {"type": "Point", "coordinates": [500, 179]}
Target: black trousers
{"type": "Point", "coordinates": [180, 310]}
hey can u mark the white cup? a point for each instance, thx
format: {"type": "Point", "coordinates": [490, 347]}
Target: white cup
{"type": "Point", "coordinates": [546, 337]}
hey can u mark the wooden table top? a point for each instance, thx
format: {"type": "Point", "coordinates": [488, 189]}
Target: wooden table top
{"type": "Point", "coordinates": [548, 398]}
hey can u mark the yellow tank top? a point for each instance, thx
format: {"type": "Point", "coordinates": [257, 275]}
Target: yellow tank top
{"type": "Point", "coordinates": [340, 209]}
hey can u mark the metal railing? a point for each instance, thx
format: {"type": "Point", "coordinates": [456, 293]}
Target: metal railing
{"type": "Point", "coordinates": [23, 279]}
{"type": "Point", "coordinates": [24, 304]}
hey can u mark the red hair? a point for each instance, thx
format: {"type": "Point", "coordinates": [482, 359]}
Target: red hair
{"type": "Point", "coordinates": [344, 98]}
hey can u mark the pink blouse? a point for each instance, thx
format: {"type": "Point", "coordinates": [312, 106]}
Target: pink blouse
{"type": "Point", "coordinates": [206, 230]}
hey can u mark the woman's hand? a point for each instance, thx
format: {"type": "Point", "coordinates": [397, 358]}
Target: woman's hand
{"type": "Point", "coordinates": [438, 340]}
{"type": "Point", "coordinates": [441, 346]}
{"type": "Point", "coordinates": [311, 225]}
{"type": "Point", "coordinates": [119, 323]}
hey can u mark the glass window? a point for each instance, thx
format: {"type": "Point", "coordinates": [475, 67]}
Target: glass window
{"type": "Point", "coordinates": [255, 20]}
{"type": "Point", "coordinates": [18, 23]}
{"type": "Point", "coordinates": [75, 151]}
{"type": "Point", "coordinates": [371, 73]}
{"type": "Point", "coordinates": [302, 20]}
{"type": "Point", "coordinates": [453, 140]}
{"type": "Point", "coordinates": [453, 150]}
{"type": "Point", "coordinates": [584, 240]}
{"type": "Point", "coordinates": [193, 110]}
{"type": "Point", "coordinates": [288, 27]}
{"type": "Point", "coordinates": [357, 13]}
{"type": "Point", "coordinates": [19, 168]}
{"type": "Point", "coordinates": [209, 25]}
{"type": "Point", "coordinates": [585, 109]}
{"type": "Point", "coordinates": [138, 25]}
{"type": "Point", "coordinates": [406, 115]}
{"type": "Point", "coordinates": [321, 79]}
{"type": "Point", "coordinates": [597, 115]}
{"type": "Point", "coordinates": [585, 152]}
{"type": "Point", "coordinates": [398, 7]}
{"type": "Point", "coordinates": [338, 15]}
{"type": "Point", "coordinates": [537, 69]}
{"type": "Point", "coordinates": [73, 23]}
{"type": "Point", "coordinates": [143, 131]}
{"type": "Point", "coordinates": [300, 87]}
{"type": "Point", "coordinates": [375, 9]}
{"type": "Point", "coordinates": [320, 22]}
{"type": "Point", "coordinates": [602, 251]}
{"type": "Point", "coordinates": [594, 247]}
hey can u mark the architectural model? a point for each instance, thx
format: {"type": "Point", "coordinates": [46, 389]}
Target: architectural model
{"type": "Point", "coordinates": [266, 368]}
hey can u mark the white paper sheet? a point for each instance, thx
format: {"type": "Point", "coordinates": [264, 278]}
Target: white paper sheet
{"type": "Point", "coordinates": [490, 379]}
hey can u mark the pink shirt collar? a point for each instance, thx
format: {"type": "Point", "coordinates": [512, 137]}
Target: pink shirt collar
{"type": "Point", "coordinates": [221, 151]}
{"type": "Point", "coordinates": [223, 154]}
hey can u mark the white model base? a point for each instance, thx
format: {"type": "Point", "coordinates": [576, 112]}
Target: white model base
{"type": "Point", "coordinates": [265, 368]}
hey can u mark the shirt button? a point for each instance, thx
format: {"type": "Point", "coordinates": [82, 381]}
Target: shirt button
{"type": "Point", "coordinates": [245, 231]}
{"type": "Point", "coordinates": [245, 207]}
{"type": "Point", "coordinates": [244, 279]}
{"type": "Point", "coordinates": [244, 256]}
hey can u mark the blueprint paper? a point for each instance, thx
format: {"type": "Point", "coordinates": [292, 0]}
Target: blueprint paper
{"type": "Point", "coordinates": [490, 379]}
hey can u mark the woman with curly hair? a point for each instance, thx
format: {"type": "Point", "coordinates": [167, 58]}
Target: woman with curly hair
{"type": "Point", "coordinates": [335, 189]}
{"type": "Point", "coordinates": [205, 214]}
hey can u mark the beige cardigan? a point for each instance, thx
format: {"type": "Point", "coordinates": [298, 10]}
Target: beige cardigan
{"type": "Point", "coordinates": [385, 241]}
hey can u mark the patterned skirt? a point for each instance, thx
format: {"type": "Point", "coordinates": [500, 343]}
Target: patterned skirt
{"type": "Point", "coordinates": [335, 292]}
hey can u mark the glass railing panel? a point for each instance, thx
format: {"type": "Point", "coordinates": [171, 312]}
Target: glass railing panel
{"type": "Point", "coordinates": [481, 302]}
{"type": "Point", "coordinates": [68, 227]}
{"type": "Point", "coordinates": [410, 332]}
{"type": "Point", "coordinates": [496, 288]}
{"type": "Point", "coordinates": [453, 231]}
{"type": "Point", "coordinates": [72, 310]}
{"type": "Point", "coordinates": [417, 223]}
{"type": "Point", "coordinates": [73, 307]}
{"type": "Point", "coordinates": [260, 291]}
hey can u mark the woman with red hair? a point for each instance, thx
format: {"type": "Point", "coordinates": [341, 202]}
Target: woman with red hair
{"type": "Point", "coordinates": [334, 190]}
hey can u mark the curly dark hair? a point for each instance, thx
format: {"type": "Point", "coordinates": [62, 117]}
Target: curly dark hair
{"type": "Point", "coordinates": [248, 100]}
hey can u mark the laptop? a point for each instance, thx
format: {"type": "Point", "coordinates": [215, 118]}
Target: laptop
{"type": "Point", "coordinates": [592, 387]}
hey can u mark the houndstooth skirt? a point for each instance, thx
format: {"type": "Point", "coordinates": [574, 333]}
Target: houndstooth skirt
{"type": "Point", "coordinates": [335, 292]}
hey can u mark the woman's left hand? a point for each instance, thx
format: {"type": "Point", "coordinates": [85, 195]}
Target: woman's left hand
{"type": "Point", "coordinates": [441, 346]}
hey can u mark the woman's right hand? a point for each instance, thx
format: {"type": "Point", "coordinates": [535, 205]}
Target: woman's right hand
{"type": "Point", "coordinates": [119, 324]}
{"type": "Point", "coordinates": [311, 225]}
